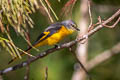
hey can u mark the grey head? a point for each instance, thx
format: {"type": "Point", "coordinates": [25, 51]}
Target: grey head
{"type": "Point", "coordinates": [70, 24]}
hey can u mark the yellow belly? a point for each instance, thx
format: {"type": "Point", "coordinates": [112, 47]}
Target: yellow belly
{"type": "Point", "coordinates": [44, 42]}
{"type": "Point", "coordinates": [56, 37]}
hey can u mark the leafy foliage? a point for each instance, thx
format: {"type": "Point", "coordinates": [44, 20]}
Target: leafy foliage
{"type": "Point", "coordinates": [15, 13]}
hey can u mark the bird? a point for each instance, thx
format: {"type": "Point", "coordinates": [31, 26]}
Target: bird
{"type": "Point", "coordinates": [53, 34]}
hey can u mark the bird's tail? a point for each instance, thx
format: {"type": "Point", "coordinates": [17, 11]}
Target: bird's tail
{"type": "Point", "coordinates": [20, 54]}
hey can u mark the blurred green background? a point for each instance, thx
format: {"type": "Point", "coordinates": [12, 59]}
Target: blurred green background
{"type": "Point", "coordinates": [61, 63]}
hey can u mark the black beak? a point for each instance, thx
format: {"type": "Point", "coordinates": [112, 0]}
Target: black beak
{"type": "Point", "coordinates": [77, 28]}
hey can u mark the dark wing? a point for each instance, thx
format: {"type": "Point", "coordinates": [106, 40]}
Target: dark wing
{"type": "Point", "coordinates": [55, 26]}
{"type": "Point", "coordinates": [40, 36]}
{"type": "Point", "coordinates": [51, 30]}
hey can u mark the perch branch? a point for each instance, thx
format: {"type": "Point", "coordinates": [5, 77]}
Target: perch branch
{"type": "Point", "coordinates": [65, 45]}
{"type": "Point", "coordinates": [26, 77]}
{"type": "Point", "coordinates": [103, 56]}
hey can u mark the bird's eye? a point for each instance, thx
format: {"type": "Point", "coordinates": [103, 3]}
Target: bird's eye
{"type": "Point", "coordinates": [75, 27]}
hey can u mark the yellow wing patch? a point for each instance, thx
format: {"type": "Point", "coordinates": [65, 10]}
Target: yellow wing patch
{"type": "Point", "coordinates": [44, 42]}
{"type": "Point", "coordinates": [46, 33]}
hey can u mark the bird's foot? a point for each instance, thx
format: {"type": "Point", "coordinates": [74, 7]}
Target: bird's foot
{"type": "Point", "coordinates": [57, 46]}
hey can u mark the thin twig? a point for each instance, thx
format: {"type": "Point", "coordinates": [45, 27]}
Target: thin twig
{"type": "Point", "coordinates": [26, 77]}
{"type": "Point", "coordinates": [51, 19]}
{"type": "Point", "coordinates": [1, 77]}
{"type": "Point", "coordinates": [46, 73]}
{"type": "Point", "coordinates": [67, 9]}
{"type": "Point", "coordinates": [1, 11]}
{"type": "Point", "coordinates": [112, 26]}
{"type": "Point", "coordinates": [52, 10]}
{"type": "Point", "coordinates": [65, 45]}
{"type": "Point", "coordinates": [80, 63]}
{"type": "Point", "coordinates": [103, 56]}
{"type": "Point", "coordinates": [91, 21]}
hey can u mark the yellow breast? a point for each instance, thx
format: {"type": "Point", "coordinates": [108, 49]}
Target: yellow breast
{"type": "Point", "coordinates": [56, 37]}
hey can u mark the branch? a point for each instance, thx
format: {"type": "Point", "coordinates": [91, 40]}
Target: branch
{"type": "Point", "coordinates": [26, 77]}
{"type": "Point", "coordinates": [46, 73]}
{"type": "Point", "coordinates": [103, 56]}
{"type": "Point", "coordinates": [66, 45]}
{"type": "Point", "coordinates": [1, 78]}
